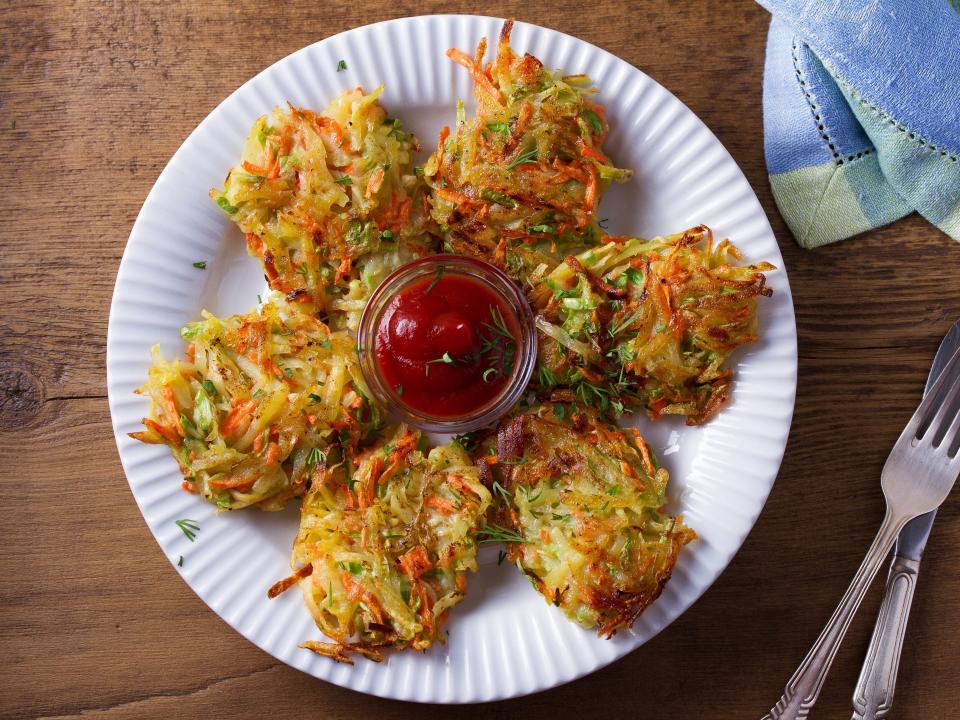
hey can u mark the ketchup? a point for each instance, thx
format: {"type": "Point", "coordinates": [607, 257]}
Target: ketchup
{"type": "Point", "coordinates": [447, 345]}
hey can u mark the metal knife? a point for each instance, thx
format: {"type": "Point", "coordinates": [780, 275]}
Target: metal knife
{"type": "Point", "coordinates": [873, 696]}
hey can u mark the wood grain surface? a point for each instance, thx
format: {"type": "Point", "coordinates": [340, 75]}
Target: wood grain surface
{"type": "Point", "coordinates": [94, 99]}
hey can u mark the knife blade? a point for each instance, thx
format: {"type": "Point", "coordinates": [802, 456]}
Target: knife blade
{"type": "Point", "coordinates": [873, 695]}
{"type": "Point", "coordinates": [913, 537]}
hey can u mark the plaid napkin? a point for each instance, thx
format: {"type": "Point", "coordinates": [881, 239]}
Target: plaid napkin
{"type": "Point", "coordinates": [861, 114]}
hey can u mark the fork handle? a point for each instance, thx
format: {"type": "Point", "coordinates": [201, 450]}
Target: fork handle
{"type": "Point", "coordinates": [873, 695]}
{"type": "Point", "coordinates": [804, 686]}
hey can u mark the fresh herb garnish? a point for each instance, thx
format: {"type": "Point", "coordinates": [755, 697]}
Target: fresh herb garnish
{"type": "Point", "coordinates": [499, 489]}
{"type": "Point", "coordinates": [209, 388]}
{"type": "Point", "coordinates": [495, 533]}
{"type": "Point", "coordinates": [525, 157]}
{"type": "Point", "coordinates": [468, 441]}
{"type": "Point", "coordinates": [343, 180]}
{"type": "Point", "coordinates": [341, 65]}
{"type": "Point", "coordinates": [547, 378]}
{"type": "Point", "coordinates": [445, 358]}
{"type": "Point", "coordinates": [436, 279]}
{"type": "Point", "coordinates": [200, 264]}
{"type": "Point", "coordinates": [316, 456]}
{"type": "Point", "coordinates": [315, 397]}
{"type": "Point", "coordinates": [500, 127]}
{"type": "Point", "coordinates": [617, 329]}
{"type": "Point", "coordinates": [522, 460]}
{"type": "Point", "coordinates": [190, 528]}
{"type": "Point", "coordinates": [501, 556]}
{"type": "Point", "coordinates": [399, 390]}
{"type": "Point", "coordinates": [180, 561]}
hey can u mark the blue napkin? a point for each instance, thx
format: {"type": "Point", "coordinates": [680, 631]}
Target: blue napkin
{"type": "Point", "coordinates": [861, 114]}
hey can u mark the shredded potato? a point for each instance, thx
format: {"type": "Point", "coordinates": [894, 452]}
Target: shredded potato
{"type": "Point", "coordinates": [586, 502]}
{"type": "Point", "coordinates": [315, 192]}
{"type": "Point", "coordinates": [258, 403]}
{"type": "Point", "coordinates": [383, 551]}
{"type": "Point", "coordinates": [519, 184]}
{"type": "Point", "coordinates": [640, 323]}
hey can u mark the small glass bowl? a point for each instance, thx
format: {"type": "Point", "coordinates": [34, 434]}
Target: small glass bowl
{"type": "Point", "coordinates": [495, 280]}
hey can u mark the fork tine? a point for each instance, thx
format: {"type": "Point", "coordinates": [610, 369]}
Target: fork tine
{"type": "Point", "coordinates": [943, 416]}
{"type": "Point", "coordinates": [927, 405]}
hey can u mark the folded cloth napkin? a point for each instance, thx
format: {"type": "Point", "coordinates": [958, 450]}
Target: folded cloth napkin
{"type": "Point", "coordinates": [861, 114]}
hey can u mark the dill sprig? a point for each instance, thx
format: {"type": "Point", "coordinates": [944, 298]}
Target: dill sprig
{"type": "Point", "coordinates": [496, 533]}
{"type": "Point", "coordinates": [189, 527]}
{"type": "Point", "coordinates": [524, 157]}
{"type": "Point", "coordinates": [436, 279]}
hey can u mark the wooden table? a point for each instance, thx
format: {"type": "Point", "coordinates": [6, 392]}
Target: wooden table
{"type": "Point", "coordinates": [93, 620]}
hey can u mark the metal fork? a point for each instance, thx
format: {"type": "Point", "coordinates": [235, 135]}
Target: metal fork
{"type": "Point", "coordinates": [916, 478]}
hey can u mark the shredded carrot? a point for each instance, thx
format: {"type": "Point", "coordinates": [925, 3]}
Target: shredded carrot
{"type": "Point", "coordinates": [255, 169]}
{"type": "Point", "coordinates": [644, 450]}
{"type": "Point", "coordinates": [166, 431]}
{"type": "Point", "coordinates": [232, 421]}
{"type": "Point", "coordinates": [376, 180]}
{"type": "Point", "coordinates": [289, 581]}
{"type": "Point", "coordinates": [273, 452]}
{"type": "Point", "coordinates": [258, 443]}
{"type": "Point", "coordinates": [189, 487]}
{"type": "Point", "coordinates": [442, 504]}
{"type": "Point", "coordinates": [590, 196]}
{"type": "Point", "coordinates": [593, 154]}
{"type": "Point", "coordinates": [454, 197]}
{"type": "Point", "coordinates": [415, 562]}
{"type": "Point", "coordinates": [441, 139]}
{"type": "Point", "coordinates": [238, 484]}
{"type": "Point", "coordinates": [479, 77]}
{"type": "Point", "coordinates": [170, 407]}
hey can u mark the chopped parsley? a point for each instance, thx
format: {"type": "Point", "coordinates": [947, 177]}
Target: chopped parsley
{"type": "Point", "coordinates": [341, 65]}
{"type": "Point", "coordinates": [200, 264]}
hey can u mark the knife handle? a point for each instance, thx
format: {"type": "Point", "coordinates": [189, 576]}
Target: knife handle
{"type": "Point", "coordinates": [873, 695]}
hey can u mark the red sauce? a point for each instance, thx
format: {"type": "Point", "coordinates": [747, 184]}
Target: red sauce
{"type": "Point", "coordinates": [447, 345]}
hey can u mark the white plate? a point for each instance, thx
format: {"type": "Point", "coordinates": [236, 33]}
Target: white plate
{"type": "Point", "coordinates": [504, 639]}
